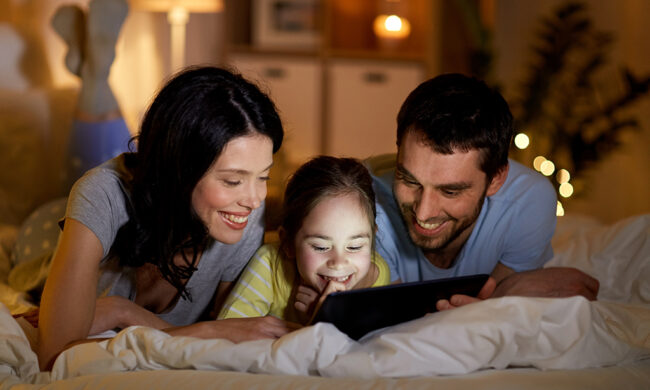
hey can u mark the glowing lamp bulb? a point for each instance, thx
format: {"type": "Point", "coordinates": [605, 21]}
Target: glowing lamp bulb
{"type": "Point", "coordinates": [393, 23]}
{"type": "Point", "coordinates": [391, 26]}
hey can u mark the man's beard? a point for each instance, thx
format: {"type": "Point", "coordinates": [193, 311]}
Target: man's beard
{"type": "Point", "coordinates": [441, 241]}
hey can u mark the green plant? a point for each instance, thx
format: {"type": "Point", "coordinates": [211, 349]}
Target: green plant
{"type": "Point", "coordinates": [568, 105]}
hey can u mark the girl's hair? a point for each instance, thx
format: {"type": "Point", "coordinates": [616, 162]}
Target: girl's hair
{"type": "Point", "coordinates": [183, 133]}
{"type": "Point", "coordinates": [319, 178]}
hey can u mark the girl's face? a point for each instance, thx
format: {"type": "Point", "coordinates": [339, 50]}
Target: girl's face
{"type": "Point", "coordinates": [234, 186]}
{"type": "Point", "coordinates": [334, 243]}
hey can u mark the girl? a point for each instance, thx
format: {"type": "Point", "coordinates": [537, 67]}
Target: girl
{"type": "Point", "coordinates": [147, 234]}
{"type": "Point", "coordinates": [326, 244]}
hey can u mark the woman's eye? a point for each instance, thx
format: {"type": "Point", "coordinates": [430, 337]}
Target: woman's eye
{"type": "Point", "coordinates": [265, 178]}
{"type": "Point", "coordinates": [232, 183]}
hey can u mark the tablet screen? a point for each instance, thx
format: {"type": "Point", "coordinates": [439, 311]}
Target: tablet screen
{"type": "Point", "coordinates": [357, 312]}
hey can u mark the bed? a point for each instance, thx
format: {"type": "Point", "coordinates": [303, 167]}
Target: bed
{"type": "Point", "coordinates": [504, 343]}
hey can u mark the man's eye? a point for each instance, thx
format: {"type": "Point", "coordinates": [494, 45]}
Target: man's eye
{"type": "Point", "coordinates": [450, 194]}
{"type": "Point", "coordinates": [407, 180]}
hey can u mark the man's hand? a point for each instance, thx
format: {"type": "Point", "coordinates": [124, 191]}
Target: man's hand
{"type": "Point", "coordinates": [461, 300]}
{"type": "Point", "coordinates": [553, 282]}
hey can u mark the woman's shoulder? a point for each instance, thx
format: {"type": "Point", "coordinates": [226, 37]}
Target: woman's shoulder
{"type": "Point", "coordinates": [111, 176]}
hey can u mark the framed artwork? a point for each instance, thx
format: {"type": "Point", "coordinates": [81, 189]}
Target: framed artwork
{"type": "Point", "coordinates": [286, 24]}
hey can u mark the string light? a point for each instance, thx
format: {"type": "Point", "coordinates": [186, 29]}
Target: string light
{"type": "Point", "coordinates": [566, 190]}
{"type": "Point", "coordinates": [522, 141]}
{"type": "Point", "coordinates": [563, 176]}
{"type": "Point", "coordinates": [547, 168]}
{"type": "Point", "coordinates": [537, 162]}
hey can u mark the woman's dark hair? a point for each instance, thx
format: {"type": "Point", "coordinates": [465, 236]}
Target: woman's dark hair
{"type": "Point", "coordinates": [319, 178]}
{"type": "Point", "coordinates": [454, 111]}
{"type": "Point", "coordinates": [184, 131]}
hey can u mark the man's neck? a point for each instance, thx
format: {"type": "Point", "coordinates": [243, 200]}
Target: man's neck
{"type": "Point", "coordinates": [442, 258]}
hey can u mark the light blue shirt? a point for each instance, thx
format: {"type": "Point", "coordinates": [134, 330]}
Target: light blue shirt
{"type": "Point", "coordinates": [514, 227]}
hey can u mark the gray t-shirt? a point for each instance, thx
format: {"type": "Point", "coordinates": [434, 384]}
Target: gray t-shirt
{"type": "Point", "coordinates": [98, 200]}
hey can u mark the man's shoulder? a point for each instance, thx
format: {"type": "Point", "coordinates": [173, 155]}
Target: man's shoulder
{"type": "Point", "coordinates": [524, 184]}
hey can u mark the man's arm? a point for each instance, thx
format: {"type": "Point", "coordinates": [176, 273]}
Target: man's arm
{"type": "Point", "coordinates": [554, 282]}
{"type": "Point", "coordinates": [549, 282]}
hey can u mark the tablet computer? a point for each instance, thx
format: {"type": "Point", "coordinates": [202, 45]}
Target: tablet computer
{"type": "Point", "coordinates": [357, 312]}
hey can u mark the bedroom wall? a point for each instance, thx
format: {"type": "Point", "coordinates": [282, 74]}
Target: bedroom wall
{"type": "Point", "coordinates": [619, 185]}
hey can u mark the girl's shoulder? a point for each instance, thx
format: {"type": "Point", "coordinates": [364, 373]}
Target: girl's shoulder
{"type": "Point", "coordinates": [383, 277]}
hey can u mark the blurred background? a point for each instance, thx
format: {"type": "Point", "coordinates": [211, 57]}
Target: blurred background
{"type": "Point", "coordinates": [576, 75]}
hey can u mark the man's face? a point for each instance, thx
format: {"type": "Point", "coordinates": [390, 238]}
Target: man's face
{"type": "Point", "coordinates": [440, 195]}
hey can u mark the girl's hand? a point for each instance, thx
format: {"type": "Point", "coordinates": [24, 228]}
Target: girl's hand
{"type": "Point", "coordinates": [308, 300]}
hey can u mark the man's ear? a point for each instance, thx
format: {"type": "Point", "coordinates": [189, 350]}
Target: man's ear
{"type": "Point", "coordinates": [498, 180]}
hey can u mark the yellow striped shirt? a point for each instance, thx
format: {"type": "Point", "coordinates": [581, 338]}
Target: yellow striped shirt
{"type": "Point", "coordinates": [264, 287]}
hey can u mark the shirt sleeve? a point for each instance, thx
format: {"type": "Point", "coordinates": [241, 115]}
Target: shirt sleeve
{"type": "Point", "coordinates": [252, 295]}
{"type": "Point", "coordinates": [383, 278]}
{"type": "Point", "coordinates": [528, 244]}
{"type": "Point", "coordinates": [98, 202]}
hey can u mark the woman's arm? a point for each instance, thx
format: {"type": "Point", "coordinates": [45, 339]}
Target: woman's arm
{"type": "Point", "coordinates": [235, 329]}
{"type": "Point", "coordinates": [68, 301]}
{"type": "Point", "coordinates": [118, 312]}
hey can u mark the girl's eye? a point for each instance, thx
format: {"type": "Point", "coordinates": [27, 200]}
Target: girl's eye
{"type": "Point", "coordinates": [355, 248]}
{"type": "Point", "coordinates": [265, 178]}
{"type": "Point", "coordinates": [319, 248]}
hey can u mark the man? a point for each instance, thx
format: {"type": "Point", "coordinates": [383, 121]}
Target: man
{"type": "Point", "coordinates": [455, 205]}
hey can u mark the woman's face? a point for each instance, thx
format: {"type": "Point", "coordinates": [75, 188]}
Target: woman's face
{"type": "Point", "coordinates": [233, 187]}
{"type": "Point", "coordinates": [334, 243]}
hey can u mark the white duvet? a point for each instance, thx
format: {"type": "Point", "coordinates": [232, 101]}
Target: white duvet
{"type": "Point", "coordinates": [568, 333]}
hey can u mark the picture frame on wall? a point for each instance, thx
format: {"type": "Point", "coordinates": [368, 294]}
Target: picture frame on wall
{"type": "Point", "coordinates": [286, 24]}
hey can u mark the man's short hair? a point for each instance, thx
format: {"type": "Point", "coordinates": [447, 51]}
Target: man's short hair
{"type": "Point", "coordinates": [455, 112]}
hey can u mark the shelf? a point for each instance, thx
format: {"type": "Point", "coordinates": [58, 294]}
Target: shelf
{"type": "Point", "coordinates": [345, 31]}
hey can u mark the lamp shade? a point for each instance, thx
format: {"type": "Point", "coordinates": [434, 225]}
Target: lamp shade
{"type": "Point", "coordinates": [166, 5]}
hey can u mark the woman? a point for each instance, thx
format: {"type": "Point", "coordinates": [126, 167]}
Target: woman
{"type": "Point", "coordinates": [155, 237]}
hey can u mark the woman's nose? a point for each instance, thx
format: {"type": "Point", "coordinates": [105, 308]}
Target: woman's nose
{"type": "Point", "coordinates": [254, 196]}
